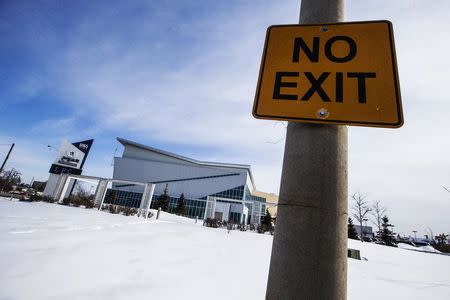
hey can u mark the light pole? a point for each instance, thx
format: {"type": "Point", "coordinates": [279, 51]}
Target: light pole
{"type": "Point", "coordinates": [6, 158]}
{"type": "Point", "coordinates": [362, 230]}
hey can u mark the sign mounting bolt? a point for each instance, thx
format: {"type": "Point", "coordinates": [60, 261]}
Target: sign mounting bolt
{"type": "Point", "coordinates": [323, 113]}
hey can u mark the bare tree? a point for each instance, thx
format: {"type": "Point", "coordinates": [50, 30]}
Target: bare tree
{"type": "Point", "coordinates": [360, 210]}
{"type": "Point", "coordinates": [378, 212]}
{"type": "Point", "coordinates": [430, 236]}
{"type": "Point", "coordinates": [8, 178]}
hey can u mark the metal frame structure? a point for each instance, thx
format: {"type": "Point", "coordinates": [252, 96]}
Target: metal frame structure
{"type": "Point", "coordinates": [255, 214]}
{"type": "Point", "coordinates": [99, 196]}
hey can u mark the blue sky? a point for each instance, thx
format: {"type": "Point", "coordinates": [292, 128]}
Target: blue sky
{"type": "Point", "coordinates": [181, 76]}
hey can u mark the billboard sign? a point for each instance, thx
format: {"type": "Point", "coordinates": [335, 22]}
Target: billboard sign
{"type": "Point", "coordinates": [71, 157]}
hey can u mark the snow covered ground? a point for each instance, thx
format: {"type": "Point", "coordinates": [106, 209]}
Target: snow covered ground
{"type": "Point", "coordinates": [49, 251]}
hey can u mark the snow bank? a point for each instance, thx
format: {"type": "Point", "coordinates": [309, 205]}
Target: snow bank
{"type": "Point", "coordinates": [50, 251]}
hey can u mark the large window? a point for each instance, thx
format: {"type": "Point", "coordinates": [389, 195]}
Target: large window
{"type": "Point", "coordinates": [234, 193]}
{"type": "Point", "coordinates": [123, 198]}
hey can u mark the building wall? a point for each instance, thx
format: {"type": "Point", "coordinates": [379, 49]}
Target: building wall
{"type": "Point", "coordinates": [220, 179]}
{"type": "Point", "coordinates": [366, 230]}
{"type": "Point", "coordinates": [143, 154]}
{"type": "Point", "coordinates": [272, 201]}
{"type": "Point", "coordinates": [195, 179]}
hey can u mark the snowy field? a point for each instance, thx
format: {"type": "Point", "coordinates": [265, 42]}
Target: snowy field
{"type": "Point", "coordinates": [50, 251]}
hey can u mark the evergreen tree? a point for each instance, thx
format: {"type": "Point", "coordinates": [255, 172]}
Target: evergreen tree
{"type": "Point", "coordinates": [352, 234]}
{"type": "Point", "coordinates": [181, 209]}
{"type": "Point", "coordinates": [386, 235]}
{"type": "Point", "coordinates": [441, 238]}
{"type": "Point", "coordinates": [266, 222]}
{"type": "Point", "coordinates": [164, 199]}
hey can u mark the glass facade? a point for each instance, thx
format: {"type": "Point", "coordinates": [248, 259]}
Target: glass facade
{"type": "Point", "coordinates": [250, 197]}
{"type": "Point", "coordinates": [234, 193]}
{"type": "Point", "coordinates": [123, 198]}
{"type": "Point", "coordinates": [194, 207]}
{"type": "Point", "coordinates": [234, 217]}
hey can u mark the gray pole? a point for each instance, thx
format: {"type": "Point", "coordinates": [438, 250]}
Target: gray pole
{"type": "Point", "coordinates": [157, 214]}
{"type": "Point", "coordinates": [309, 252]}
{"type": "Point", "coordinates": [6, 158]}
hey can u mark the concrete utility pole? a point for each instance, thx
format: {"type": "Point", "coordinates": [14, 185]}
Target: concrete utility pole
{"type": "Point", "coordinates": [309, 253]}
{"type": "Point", "coordinates": [6, 158]}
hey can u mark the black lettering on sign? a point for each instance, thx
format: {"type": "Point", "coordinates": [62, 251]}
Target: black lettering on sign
{"type": "Point", "coordinates": [316, 86]}
{"type": "Point", "coordinates": [279, 84]}
{"type": "Point", "coordinates": [351, 52]}
{"type": "Point", "coordinates": [339, 87]}
{"type": "Point", "coordinates": [361, 83]}
{"type": "Point", "coordinates": [313, 55]}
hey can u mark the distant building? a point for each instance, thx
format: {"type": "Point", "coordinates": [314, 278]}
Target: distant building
{"type": "Point", "coordinates": [271, 200]}
{"type": "Point", "coordinates": [216, 190]}
{"type": "Point", "coordinates": [39, 185]}
{"type": "Point", "coordinates": [367, 231]}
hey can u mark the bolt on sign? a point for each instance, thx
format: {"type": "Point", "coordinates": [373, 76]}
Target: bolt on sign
{"type": "Point", "coordinates": [343, 73]}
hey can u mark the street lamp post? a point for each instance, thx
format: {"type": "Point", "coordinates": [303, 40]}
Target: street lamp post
{"type": "Point", "coordinates": [362, 229]}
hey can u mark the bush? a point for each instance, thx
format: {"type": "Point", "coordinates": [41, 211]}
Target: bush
{"type": "Point", "coordinates": [88, 203]}
{"type": "Point", "coordinates": [210, 222]}
{"type": "Point", "coordinates": [128, 211]}
{"type": "Point", "coordinates": [113, 209]}
{"type": "Point", "coordinates": [75, 201]}
{"type": "Point", "coordinates": [243, 227]}
{"type": "Point", "coordinates": [48, 199]}
{"type": "Point", "coordinates": [35, 198]}
{"type": "Point", "coordinates": [124, 210]}
{"type": "Point", "coordinates": [262, 228]}
{"type": "Point", "coordinates": [78, 201]}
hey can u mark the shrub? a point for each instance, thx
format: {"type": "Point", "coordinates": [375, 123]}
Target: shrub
{"type": "Point", "coordinates": [76, 201]}
{"type": "Point", "coordinates": [48, 199]}
{"type": "Point", "coordinates": [128, 211]}
{"type": "Point", "coordinates": [243, 227]}
{"type": "Point", "coordinates": [113, 209]}
{"type": "Point", "coordinates": [35, 198]}
{"type": "Point", "coordinates": [210, 222]}
{"type": "Point", "coordinates": [88, 203]}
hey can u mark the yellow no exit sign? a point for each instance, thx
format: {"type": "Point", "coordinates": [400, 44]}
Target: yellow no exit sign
{"type": "Point", "coordinates": [343, 73]}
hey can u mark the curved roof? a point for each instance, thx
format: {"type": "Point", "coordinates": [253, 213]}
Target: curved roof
{"type": "Point", "coordinates": [126, 142]}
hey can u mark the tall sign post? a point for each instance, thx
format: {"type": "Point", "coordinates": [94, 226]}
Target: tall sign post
{"type": "Point", "coordinates": [69, 160]}
{"type": "Point", "coordinates": [309, 252]}
{"type": "Point", "coordinates": [329, 74]}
